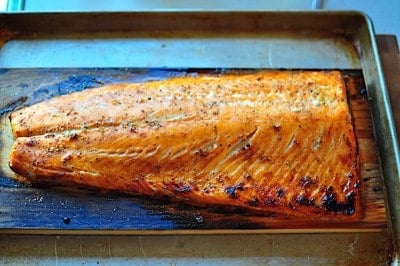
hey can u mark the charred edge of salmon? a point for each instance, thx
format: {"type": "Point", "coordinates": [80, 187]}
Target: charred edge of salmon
{"type": "Point", "coordinates": [329, 204]}
{"type": "Point", "coordinates": [355, 196]}
{"type": "Point", "coordinates": [180, 193]}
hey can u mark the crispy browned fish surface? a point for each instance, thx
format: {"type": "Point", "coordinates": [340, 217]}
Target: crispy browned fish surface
{"type": "Point", "coordinates": [276, 141]}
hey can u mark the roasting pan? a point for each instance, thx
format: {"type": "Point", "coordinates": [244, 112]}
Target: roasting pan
{"type": "Point", "coordinates": [43, 55]}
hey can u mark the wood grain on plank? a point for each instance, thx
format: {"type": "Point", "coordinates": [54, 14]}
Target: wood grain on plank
{"type": "Point", "coordinates": [47, 202]}
{"type": "Point", "coordinates": [372, 195]}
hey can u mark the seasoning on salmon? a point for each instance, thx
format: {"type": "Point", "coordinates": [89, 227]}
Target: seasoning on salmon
{"type": "Point", "coordinates": [273, 141]}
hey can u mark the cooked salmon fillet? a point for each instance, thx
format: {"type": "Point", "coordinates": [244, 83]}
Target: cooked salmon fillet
{"type": "Point", "coordinates": [273, 141]}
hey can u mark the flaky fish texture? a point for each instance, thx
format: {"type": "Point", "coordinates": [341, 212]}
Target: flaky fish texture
{"type": "Point", "coordinates": [273, 141]}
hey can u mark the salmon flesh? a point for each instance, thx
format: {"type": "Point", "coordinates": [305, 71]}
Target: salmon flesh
{"type": "Point", "coordinates": [273, 141]}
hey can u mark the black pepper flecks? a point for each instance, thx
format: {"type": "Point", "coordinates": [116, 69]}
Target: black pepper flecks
{"type": "Point", "coordinates": [271, 202]}
{"type": "Point", "coordinates": [253, 202]}
{"type": "Point", "coordinates": [276, 127]}
{"type": "Point", "coordinates": [350, 175]}
{"type": "Point", "coordinates": [31, 143]}
{"type": "Point", "coordinates": [183, 188]}
{"type": "Point", "coordinates": [280, 192]}
{"type": "Point", "coordinates": [305, 201]}
{"type": "Point", "coordinates": [49, 135]}
{"type": "Point", "coordinates": [247, 176]}
{"type": "Point", "coordinates": [231, 190]}
{"type": "Point", "coordinates": [73, 136]}
{"type": "Point", "coordinates": [306, 181]}
{"type": "Point", "coordinates": [201, 152]}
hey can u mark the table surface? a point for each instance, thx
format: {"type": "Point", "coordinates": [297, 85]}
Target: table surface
{"type": "Point", "coordinates": [356, 248]}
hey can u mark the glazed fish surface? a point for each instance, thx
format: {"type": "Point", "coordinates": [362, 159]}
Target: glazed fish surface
{"type": "Point", "coordinates": [271, 141]}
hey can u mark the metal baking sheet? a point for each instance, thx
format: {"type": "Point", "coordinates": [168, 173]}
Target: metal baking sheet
{"type": "Point", "coordinates": [285, 40]}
